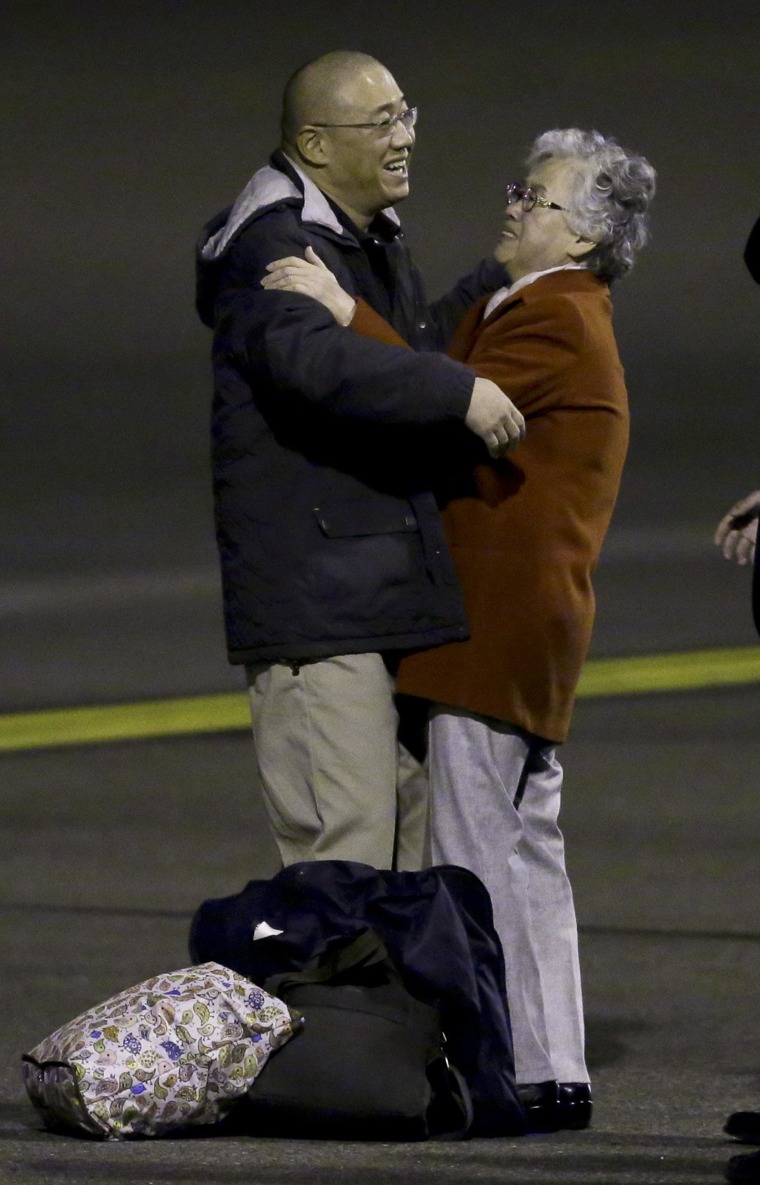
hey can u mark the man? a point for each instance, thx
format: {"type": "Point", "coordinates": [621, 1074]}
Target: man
{"type": "Point", "coordinates": [736, 535]}
{"type": "Point", "coordinates": [525, 535]}
{"type": "Point", "coordinates": [333, 558]}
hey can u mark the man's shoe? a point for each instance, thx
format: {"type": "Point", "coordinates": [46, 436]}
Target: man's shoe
{"type": "Point", "coordinates": [744, 1170]}
{"type": "Point", "coordinates": [575, 1105]}
{"type": "Point", "coordinates": [744, 1126]}
{"type": "Point", "coordinates": [541, 1103]}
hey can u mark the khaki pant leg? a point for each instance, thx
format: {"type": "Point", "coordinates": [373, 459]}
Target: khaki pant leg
{"type": "Point", "coordinates": [326, 754]}
{"type": "Point", "coordinates": [413, 832]}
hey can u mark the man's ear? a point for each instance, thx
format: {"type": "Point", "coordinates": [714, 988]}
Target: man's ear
{"type": "Point", "coordinates": [312, 147]}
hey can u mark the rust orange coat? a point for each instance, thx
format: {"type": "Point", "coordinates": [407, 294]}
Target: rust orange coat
{"type": "Point", "coordinates": [526, 535]}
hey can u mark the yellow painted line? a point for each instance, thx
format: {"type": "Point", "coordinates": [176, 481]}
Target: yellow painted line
{"type": "Point", "coordinates": [118, 722]}
{"type": "Point", "coordinates": [670, 672]}
{"type": "Point", "coordinates": [228, 711]}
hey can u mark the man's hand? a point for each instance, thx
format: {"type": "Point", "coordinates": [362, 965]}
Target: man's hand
{"type": "Point", "coordinates": [311, 277]}
{"type": "Point", "coordinates": [736, 534]}
{"type": "Point", "coordinates": [494, 418]}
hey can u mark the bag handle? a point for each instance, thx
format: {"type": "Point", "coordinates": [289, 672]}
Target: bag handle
{"type": "Point", "coordinates": [450, 1113]}
{"type": "Point", "coordinates": [365, 950]}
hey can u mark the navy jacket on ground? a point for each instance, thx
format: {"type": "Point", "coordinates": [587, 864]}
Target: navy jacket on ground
{"type": "Point", "coordinates": [329, 538]}
{"type": "Point", "coordinates": [437, 926]}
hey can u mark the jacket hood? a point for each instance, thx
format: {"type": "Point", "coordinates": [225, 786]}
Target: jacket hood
{"type": "Point", "coordinates": [267, 187]}
{"type": "Point", "coordinates": [278, 183]}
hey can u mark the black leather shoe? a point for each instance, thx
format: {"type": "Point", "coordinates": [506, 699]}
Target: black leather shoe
{"type": "Point", "coordinates": [556, 1106]}
{"type": "Point", "coordinates": [744, 1170]}
{"type": "Point", "coordinates": [744, 1126]}
{"type": "Point", "coordinates": [541, 1103]}
{"type": "Point", "coordinates": [575, 1105]}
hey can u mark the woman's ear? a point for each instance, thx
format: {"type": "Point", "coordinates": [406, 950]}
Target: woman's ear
{"type": "Point", "coordinates": [581, 249]}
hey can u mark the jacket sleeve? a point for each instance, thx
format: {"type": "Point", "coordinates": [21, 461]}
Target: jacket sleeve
{"type": "Point", "coordinates": [292, 345]}
{"type": "Point", "coordinates": [525, 355]}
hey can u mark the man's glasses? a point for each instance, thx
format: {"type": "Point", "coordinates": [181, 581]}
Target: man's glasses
{"type": "Point", "coordinates": [384, 128]}
{"type": "Point", "coordinates": [529, 198]}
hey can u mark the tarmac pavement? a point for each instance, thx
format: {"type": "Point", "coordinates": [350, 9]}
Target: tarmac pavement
{"type": "Point", "coordinates": [108, 849]}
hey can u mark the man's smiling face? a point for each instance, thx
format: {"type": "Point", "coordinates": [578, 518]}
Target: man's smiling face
{"type": "Point", "coordinates": [366, 169]}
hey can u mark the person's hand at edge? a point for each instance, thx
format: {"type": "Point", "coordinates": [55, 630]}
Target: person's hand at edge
{"type": "Point", "coordinates": [736, 533]}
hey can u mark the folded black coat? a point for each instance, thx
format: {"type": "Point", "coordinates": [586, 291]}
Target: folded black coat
{"type": "Point", "coordinates": [438, 928]}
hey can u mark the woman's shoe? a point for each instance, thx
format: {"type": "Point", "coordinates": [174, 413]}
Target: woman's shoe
{"type": "Point", "coordinates": [575, 1105]}
{"type": "Point", "coordinates": [555, 1106]}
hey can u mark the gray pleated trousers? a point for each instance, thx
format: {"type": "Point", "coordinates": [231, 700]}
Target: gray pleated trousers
{"type": "Point", "coordinates": [495, 798]}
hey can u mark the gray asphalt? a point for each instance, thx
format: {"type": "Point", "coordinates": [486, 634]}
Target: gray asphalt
{"type": "Point", "coordinates": [106, 851]}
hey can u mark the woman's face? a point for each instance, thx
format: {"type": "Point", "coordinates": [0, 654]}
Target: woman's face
{"type": "Point", "coordinates": [537, 239]}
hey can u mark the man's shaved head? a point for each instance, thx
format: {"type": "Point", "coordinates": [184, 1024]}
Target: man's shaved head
{"type": "Point", "coordinates": [342, 126]}
{"type": "Point", "coordinates": [319, 91]}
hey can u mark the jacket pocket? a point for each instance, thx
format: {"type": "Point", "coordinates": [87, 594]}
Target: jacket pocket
{"type": "Point", "coordinates": [347, 520]}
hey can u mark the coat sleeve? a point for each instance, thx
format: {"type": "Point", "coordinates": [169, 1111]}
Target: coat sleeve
{"type": "Point", "coordinates": [292, 345]}
{"type": "Point", "coordinates": [370, 324]}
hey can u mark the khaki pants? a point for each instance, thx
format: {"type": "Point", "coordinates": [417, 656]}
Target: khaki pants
{"type": "Point", "coordinates": [334, 780]}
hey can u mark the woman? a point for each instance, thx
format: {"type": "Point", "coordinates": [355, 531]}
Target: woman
{"type": "Point", "coordinates": [525, 533]}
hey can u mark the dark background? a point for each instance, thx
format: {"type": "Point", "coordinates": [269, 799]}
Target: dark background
{"type": "Point", "coordinates": [126, 125]}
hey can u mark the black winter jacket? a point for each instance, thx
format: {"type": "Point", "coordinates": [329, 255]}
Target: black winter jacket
{"type": "Point", "coordinates": [329, 539]}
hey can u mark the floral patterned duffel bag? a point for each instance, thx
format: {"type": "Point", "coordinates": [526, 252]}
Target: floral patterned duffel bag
{"type": "Point", "coordinates": [178, 1049]}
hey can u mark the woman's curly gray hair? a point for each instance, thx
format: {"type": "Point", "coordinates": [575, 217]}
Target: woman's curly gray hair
{"type": "Point", "coordinates": [612, 197]}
